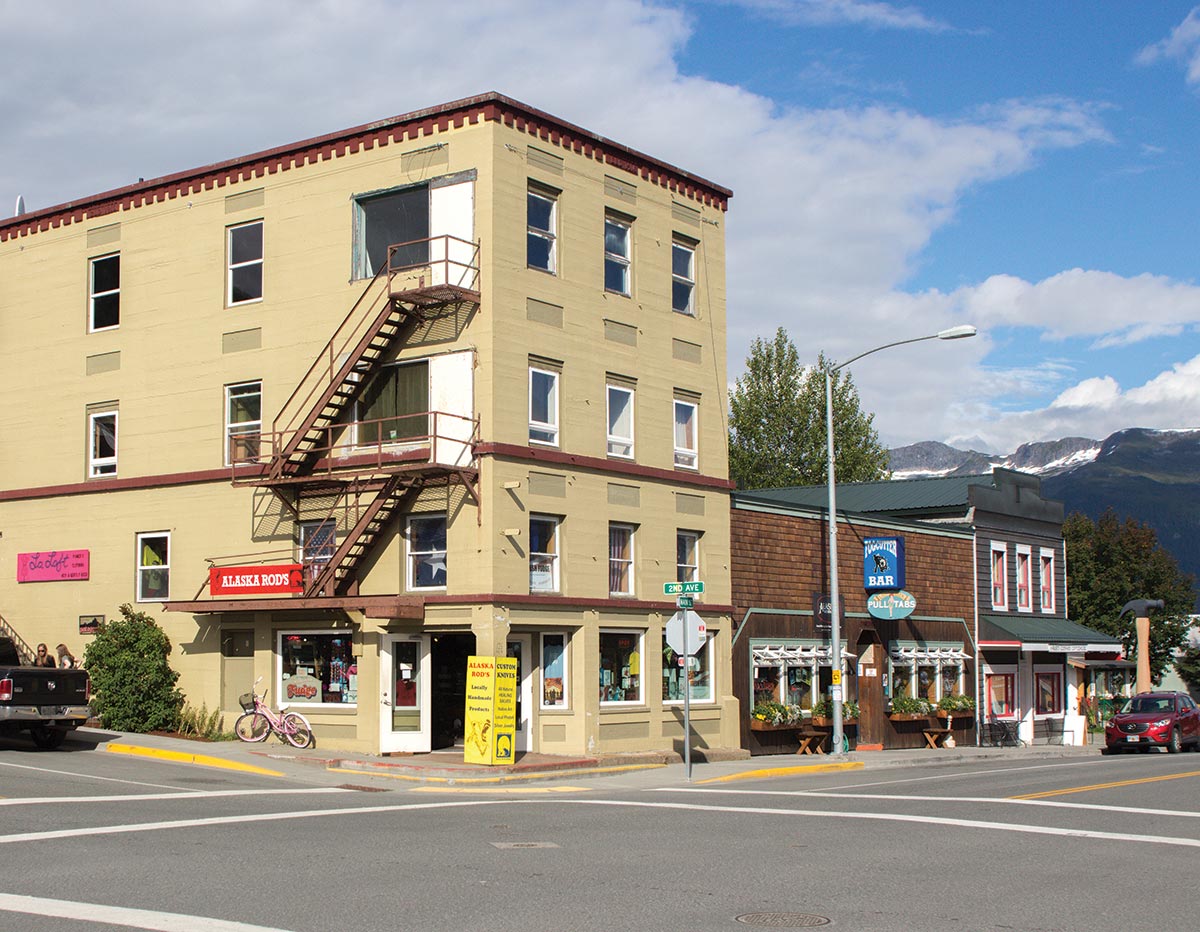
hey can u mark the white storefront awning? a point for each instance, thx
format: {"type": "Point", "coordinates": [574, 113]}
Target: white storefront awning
{"type": "Point", "coordinates": [785, 655]}
{"type": "Point", "coordinates": [908, 655]}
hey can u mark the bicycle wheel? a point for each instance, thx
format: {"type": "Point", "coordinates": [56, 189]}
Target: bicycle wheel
{"type": "Point", "coordinates": [296, 730]}
{"type": "Point", "coordinates": [252, 727]}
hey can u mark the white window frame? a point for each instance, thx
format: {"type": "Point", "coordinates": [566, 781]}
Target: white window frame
{"type": "Point", "coordinates": [616, 563]}
{"type": "Point", "coordinates": [554, 556]}
{"type": "Point", "coordinates": [619, 445]}
{"type": "Point", "coordinates": [102, 467]}
{"type": "Point", "coordinates": [143, 568]}
{"type": "Point", "coordinates": [304, 707]}
{"type": "Point", "coordinates": [93, 294]}
{"type": "Point", "coordinates": [550, 235]}
{"type": "Point", "coordinates": [1024, 566]}
{"type": "Point", "coordinates": [681, 280]}
{"type": "Point", "coordinates": [999, 550]}
{"type": "Point", "coordinates": [314, 559]}
{"type": "Point", "coordinates": [241, 428]}
{"type": "Point", "coordinates": [621, 261]}
{"type": "Point", "coordinates": [707, 652]}
{"type": "Point", "coordinates": [411, 555]}
{"type": "Point", "coordinates": [232, 266]}
{"type": "Point", "coordinates": [687, 572]}
{"type": "Point", "coordinates": [1056, 672]}
{"type": "Point", "coordinates": [1008, 673]}
{"type": "Point", "coordinates": [1046, 593]}
{"type": "Point", "coordinates": [640, 635]}
{"type": "Point", "coordinates": [564, 702]}
{"type": "Point", "coordinates": [685, 456]}
{"type": "Point", "coordinates": [547, 430]}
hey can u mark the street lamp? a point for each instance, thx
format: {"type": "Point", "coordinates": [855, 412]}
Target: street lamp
{"type": "Point", "coordinates": [835, 623]}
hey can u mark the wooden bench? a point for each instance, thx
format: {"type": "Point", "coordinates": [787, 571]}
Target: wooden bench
{"type": "Point", "coordinates": [812, 740]}
{"type": "Point", "coordinates": [935, 737]}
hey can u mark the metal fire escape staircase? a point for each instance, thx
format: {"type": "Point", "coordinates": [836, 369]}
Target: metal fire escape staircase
{"type": "Point", "coordinates": [310, 452]}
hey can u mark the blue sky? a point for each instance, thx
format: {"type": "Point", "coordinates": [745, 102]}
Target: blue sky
{"type": "Point", "coordinates": [897, 168]}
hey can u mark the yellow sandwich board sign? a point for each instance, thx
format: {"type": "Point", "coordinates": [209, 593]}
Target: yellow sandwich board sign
{"type": "Point", "coordinates": [491, 710]}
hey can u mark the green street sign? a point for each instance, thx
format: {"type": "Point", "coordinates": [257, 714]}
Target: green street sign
{"type": "Point", "coordinates": [683, 588]}
{"type": "Point", "coordinates": [685, 601]}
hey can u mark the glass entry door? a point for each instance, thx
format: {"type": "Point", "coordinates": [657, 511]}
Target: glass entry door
{"type": "Point", "coordinates": [520, 647]}
{"type": "Point", "coordinates": [404, 713]}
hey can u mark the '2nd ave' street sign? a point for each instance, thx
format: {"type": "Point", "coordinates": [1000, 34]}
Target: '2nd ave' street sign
{"type": "Point", "coordinates": [683, 588]}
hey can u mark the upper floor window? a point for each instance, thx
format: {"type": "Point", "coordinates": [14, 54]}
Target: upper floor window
{"type": "Point", "coordinates": [102, 444]}
{"type": "Point", "coordinates": [1024, 579]}
{"type": "Point", "coordinates": [683, 277]}
{"type": "Point", "coordinates": [999, 577]}
{"type": "Point", "coordinates": [620, 559]}
{"type": "Point", "coordinates": [541, 222]}
{"type": "Point", "coordinates": [617, 255]}
{"type": "Point", "coordinates": [685, 433]}
{"type": "Point", "coordinates": [154, 566]}
{"type": "Point", "coordinates": [427, 552]}
{"type": "Point", "coordinates": [543, 406]}
{"type": "Point", "coordinates": [1046, 579]}
{"type": "Point", "coordinates": [620, 421]}
{"type": "Point", "coordinates": [104, 293]}
{"type": "Point", "coordinates": [543, 554]}
{"type": "Point", "coordinates": [394, 406]}
{"type": "Point", "coordinates": [396, 218]}
{"type": "Point", "coordinates": [687, 556]}
{"type": "Point", "coordinates": [245, 252]}
{"type": "Point", "coordinates": [317, 544]}
{"type": "Point", "coordinates": [243, 422]}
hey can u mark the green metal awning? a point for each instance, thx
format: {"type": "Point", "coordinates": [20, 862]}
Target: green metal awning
{"type": "Point", "coordinates": [1030, 633]}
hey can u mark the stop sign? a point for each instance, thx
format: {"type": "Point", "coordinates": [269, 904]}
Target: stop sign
{"type": "Point", "coordinates": [696, 632]}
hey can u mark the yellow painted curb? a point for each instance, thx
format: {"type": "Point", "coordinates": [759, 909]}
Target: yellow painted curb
{"type": "Point", "coordinates": [506, 778]}
{"type": "Point", "coordinates": [181, 757]}
{"type": "Point", "coordinates": [785, 772]}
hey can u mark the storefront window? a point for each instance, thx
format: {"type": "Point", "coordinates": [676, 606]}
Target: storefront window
{"type": "Point", "coordinates": [699, 674]}
{"type": "Point", "coordinates": [927, 682]}
{"type": "Point", "coordinates": [800, 687]}
{"type": "Point", "coordinates": [317, 668]}
{"type": "Point", "coordinates": [902, 680]}
{"type": "Point", "coordinates": [766, 684]}
{"type": "Point", "coordinates": [1000, 695]}
{"type": "Point", "coordinates": [1047, 690]}
{"type": "Point", "coordinates": [620, 666]}
{"type": "Point", "coordinates": [951, 680]}
{"type": "Point", "coordinates": [554, 671]}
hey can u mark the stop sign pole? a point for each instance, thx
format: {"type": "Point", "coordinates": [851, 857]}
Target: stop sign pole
{"type": "Point", "coordinates": [684, 601]}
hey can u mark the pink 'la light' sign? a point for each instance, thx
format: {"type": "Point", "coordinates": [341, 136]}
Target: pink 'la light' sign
{"type": "Point", "coordinates": [52, 565]}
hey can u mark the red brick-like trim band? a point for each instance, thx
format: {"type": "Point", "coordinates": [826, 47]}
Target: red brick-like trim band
{"type": "Point", "coordinates": [558, 458]}
{"type": "Point", "coordinates": [529, 599]}
{"type": "Point", "coordinates": [97, 486]}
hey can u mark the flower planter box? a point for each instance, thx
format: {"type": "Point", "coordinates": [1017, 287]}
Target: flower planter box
{"type": "Point", "coordinates": [821, 721]}
{"type": "Point", "coordinates": [909, 717]}
{"type": "Point", "coordinates": [759, 725]}
{"type": "Point", "coordinates": [957, 713]}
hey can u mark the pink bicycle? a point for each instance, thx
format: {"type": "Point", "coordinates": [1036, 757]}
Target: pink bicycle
{"type": "Point", "coordinates": [258, 721]}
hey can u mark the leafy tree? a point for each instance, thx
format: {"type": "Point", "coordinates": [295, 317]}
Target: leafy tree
{"type": "Point", "coordinates": [132, 681]}
{"type": "Point", "coordinates": [777, 435]}
{"type": "Point", "coordinates": [1188, 667]}
{"type": "Point", "coordinates": [1109, 563]}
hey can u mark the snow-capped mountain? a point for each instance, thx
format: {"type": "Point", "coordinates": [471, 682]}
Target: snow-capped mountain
{"type": "Point", "coordinates": [1045, 458]}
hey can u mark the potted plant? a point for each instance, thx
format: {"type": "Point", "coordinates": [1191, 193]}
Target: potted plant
{"type": "Point", "coordinates": [769, 715]}
{"type": "Point", "coordinates": [910, 708]}
{"type": "Point", "coordinates": [822, 712]}
{"type": "Point", "coordinates": [962, 706]}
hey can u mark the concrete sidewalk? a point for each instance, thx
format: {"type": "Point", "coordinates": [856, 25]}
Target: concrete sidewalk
{"type": "Point", "coordinates": [446, 767]}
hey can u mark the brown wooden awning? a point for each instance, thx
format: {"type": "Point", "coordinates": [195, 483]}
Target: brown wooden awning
{"type": "Point", "coordinates": [372, 606]}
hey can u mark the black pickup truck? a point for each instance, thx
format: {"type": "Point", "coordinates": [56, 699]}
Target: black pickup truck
{"type": "Point", "coordinates": [44, 701]}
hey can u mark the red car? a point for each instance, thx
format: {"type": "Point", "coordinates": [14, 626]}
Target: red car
{"type": "Point", "coordinates": [1154, 720]}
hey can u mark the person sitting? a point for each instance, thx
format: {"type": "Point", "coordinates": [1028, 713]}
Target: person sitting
{"type": "Point", "coordinates": [43, 657]}
{"type": "Point", "coordinates": [66, 659]}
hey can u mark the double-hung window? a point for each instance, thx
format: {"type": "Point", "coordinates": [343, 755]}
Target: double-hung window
{"type": "Point", "coordinates": [687, 556]}
{"type": "Point", "coordinates": [541, 222]}
{"type": "Point", "coordinates": [999, 576]}
{"type": "Point", "coordinates": [618, 255]}
{"type": "Point", "coordinates": [427, 552]}
{"type": "Point", "coordinates": [543, 553]}
{"type": "Point", "coordinates": [245, 252]}
{"type": "Point", "coordinates": [620, 559]}
{"type": "Point", "coordinates": [104, 293]}
{"type": "Point", "coordinates": [543, 406]}
{"type": "Point", "coordinates": [154, 566]}
{"type": "Point", "coordinates": [686, 413]}
{"type": "Point", "coordinates": [683, 278]}
{"type": "Point", "coordinates": [1046, 580]}
{"type": "Point", "coordinates": [620, 421]}
{"type": "Point", "coordinates": [317, 544]}
{"type": "Point", "coordinates": [243, 422]}
{"type": "Point", "coordinates": [102, 444]}
{"type": "Point", "coordinates": [1024, 579]}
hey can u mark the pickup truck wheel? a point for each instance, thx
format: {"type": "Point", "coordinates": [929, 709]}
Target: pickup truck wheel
{"type": "Point", "coordinates": [48, 738]}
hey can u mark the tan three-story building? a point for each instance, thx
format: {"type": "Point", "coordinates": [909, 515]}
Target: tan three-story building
{"type": "Point", "coordinates": [342, 413]}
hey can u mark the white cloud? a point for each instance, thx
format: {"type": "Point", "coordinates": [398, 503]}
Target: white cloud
{"type": "Point", "coordinates": [1183, 44]}
{"type": "Point", "coordinates": [867, 13]}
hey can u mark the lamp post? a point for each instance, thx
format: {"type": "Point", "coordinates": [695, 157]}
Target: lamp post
{"type": "Point", "coordinates": [835, 621]}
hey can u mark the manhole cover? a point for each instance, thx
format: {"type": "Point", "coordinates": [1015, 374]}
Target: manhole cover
{"type": "Point", "coordinates": [784, 920]}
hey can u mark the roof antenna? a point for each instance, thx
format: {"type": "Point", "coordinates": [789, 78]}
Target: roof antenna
{"type": "Point", "coordinates": [20, 208]}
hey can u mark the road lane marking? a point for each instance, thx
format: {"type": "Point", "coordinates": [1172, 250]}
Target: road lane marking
{"type": "Point", "coordinates": [966, 773]}
{"type": "Point", "coordinates": [184, 757]}
{"type": "Point", "coordinates": [515, 790]}
{"type": "Point", "coordinates": [1018, 828]}
{"type": "Point", "coordinates": [501, 778]}
{"type": "Point", "coordinates": [1109, 786]}
{"type": "Point", "coordinates": [123, 916]}
{"type": "Point", "coordinates": [785, 771]}
{"type": "Point", "coordinates": [141, 797]}
{"type": "Point", "coordinates": [89, 776]}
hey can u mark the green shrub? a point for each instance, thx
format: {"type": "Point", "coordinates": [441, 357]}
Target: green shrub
{"type": "Point", "coordinates": [201, 723]}
{"type": "Point", "coordinates": [913, 705]}
{"type": "Point", "coordinates": [133, 685]}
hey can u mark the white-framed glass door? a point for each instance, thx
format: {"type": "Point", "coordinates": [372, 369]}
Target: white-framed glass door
{"type": "Point", "coordinates": [520, 646]}
{"type": "Point", "coordinates": [404, 693]}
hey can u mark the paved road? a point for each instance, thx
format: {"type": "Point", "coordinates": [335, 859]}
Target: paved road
{"type": "Point", "coordinates": [99, 841]}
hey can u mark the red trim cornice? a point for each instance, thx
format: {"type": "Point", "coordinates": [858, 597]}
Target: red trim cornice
{"type": "Point", "coordinates": [96, 486]}
{"type": "Point", "coordinates": [528, 600]}
{"type": "Point", "coordinates": [419, 124]}
{"type": "Point", "coordinates": [558, 458]}
{"type": "Point", "coordinates": [373, 606]}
